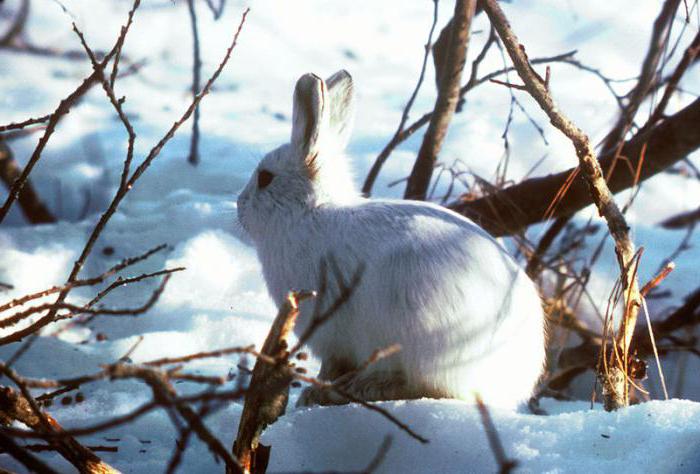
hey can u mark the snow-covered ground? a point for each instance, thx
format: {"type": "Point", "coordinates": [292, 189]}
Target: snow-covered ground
{"type": "Point", "coordinates": [221, 301]}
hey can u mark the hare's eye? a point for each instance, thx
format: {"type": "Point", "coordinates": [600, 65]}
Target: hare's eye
{"type": "Point", "coordinates": [264, 178]}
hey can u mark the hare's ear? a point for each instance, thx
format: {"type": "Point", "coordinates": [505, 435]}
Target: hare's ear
{"type": "Point", "coordinates": [341, 97]}
{"type": "Point", "coordinates": [308, 115]}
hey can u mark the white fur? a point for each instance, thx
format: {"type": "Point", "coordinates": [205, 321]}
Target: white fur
{"type": "Point", "coordinates": [467, 317]}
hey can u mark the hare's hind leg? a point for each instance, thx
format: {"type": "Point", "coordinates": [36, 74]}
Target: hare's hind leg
{"type": "Point", "coordinates": [371, 386]}
{"type": "Point", "coordinates": [333, 368]}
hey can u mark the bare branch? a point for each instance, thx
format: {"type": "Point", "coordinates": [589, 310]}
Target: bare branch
{"type": "Point", "coordinates": [518, 206]}
{"type": "Point", "coordinates": [505, 465]}
{"type": "Point", "coordinates": [127, 184]}
{"type": "Point", "coordinates": [165, 394]}
{"type": "Point", "coordinates": [380, 456]}
{"type": "Point", "coordinates": [14, 406]}
{"type": "Point", "coordinates": [448, 97]}
{"type": "Point", "coordinates": [473, 82]}
{"type": "Point", "coordinates": [591, 170]}
{"type": "Point", "coordinates": [33, 208]}
{"type": "Point", "coordinates": [379, 162]}
{"type": "Point", "coordinates": [24, 123]}
{"type": "Point", "coordinates": [17, 25]}
{"type": "Point", "coordinates": [79, 283]}
{"type": "Point", "coordinates": [689, 56]}
{"type": "Point", "coordinates": [28, 460]}
{"type": "Point", "coordinates": [52, 316]}
{"type": "Point", "coordinates": [216, 10]}
{"type": "Point", "coordinates": [268, 391]}
{"type": "Point", "coordinates": [63, 108]}
{"type": "Point", "coordinates": [647, 77]}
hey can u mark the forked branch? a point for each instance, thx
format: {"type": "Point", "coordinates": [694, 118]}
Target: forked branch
{"type": "Point", "coordinates": [602, 197]}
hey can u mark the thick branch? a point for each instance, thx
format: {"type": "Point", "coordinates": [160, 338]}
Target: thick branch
{"type": "Point", "coordinates": [268, 392]}
{"type": "Point", "coordinates": [27, 459]}
{"type": "Point", "coordinates": [448, 97]}
{"type": "Point", "coordinates": [14, 406]}
{"type": "Point", "coordinates": [519, 206]}
{"type": "Point", "coordinates": [33, 208]}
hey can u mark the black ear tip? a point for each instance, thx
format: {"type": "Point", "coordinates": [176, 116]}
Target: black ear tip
{"type": "Point", "coordinates": [340, 77]}
{"type": "Point", "coordinates": [308, 82]}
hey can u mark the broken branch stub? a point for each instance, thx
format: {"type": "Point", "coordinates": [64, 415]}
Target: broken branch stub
{"type": "Point", "coordinates": [268, 392]}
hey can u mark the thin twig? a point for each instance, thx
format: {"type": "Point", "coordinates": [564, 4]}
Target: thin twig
{"type": "Point", "coordinates": [370, 406]}
{"type": "Point", "coordinates": [647, 76]}
{"type": "Point", "coordinates": [193, 157]}
{"type": "Point", "coordinates": [62, 109]}
{"type": "Point", "coordinates": [52, 316]}
{"type": "Point", "coordinates": [505, 465]}
{"type": "Point", "coordinates": [672, 85]}
{"type": "Point", "coordinates": [425, 118]}
{"type": "Point", "coordinates": [379, 457]}
{"type": "Point", "coordinates": [384, 154]}
{"type": "Point", "coordinates": [28, 460]}
{"type": "Point", "coordinates": [25, 123]}
{"type": "Point", "coordinates": [80, 283]}
{"type": "Point", "coordinates": [138, 172]}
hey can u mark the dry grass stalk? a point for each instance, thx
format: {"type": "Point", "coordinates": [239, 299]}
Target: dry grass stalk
{"type": "Point", "coordinates": [598, 188]}
{"type": "Point", "coordinates": [516, 207]}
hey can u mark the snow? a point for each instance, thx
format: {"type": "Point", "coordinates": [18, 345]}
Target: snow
{"type": "Point", "coordinates": [221, 300]}
{"type": "Point", "coordinates": [574, 439]}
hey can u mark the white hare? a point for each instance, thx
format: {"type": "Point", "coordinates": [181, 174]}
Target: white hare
{"type": "Point", "coordinates": [467, 317]}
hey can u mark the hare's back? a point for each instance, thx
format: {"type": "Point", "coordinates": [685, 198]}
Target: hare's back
{"type": "Point", "coordinates": [384, 227]}
{"type": "Point", "coordinates": [419, 241]}
{"type": "Point", "coordinates": [428, 268]}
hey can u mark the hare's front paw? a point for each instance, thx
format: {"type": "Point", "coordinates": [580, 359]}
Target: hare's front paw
{"type": "Point", "coordinates": [374, 386]}
{"type": "Point", "coordinates": [315, 395]}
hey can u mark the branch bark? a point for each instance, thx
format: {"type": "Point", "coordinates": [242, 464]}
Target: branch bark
{"type": "Point", "coordinates": [33, 208]}
{"type": "Point", "coordinates": [27, 459]}
{"type": "Point", "coordinates": [448, 97]}
{"type": "Point", "coordinates": [514, 208]}
{"type": "Point", "coordinates": [686, 316]}
{"type": "Point", "coordinates": [615, 384]}
{"type": "Point", "coordinates": [193, 158]}
{"type": "Point", "coordinates": [268, 392]}
{"type": "Point", "coordinates": [13, 406]}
